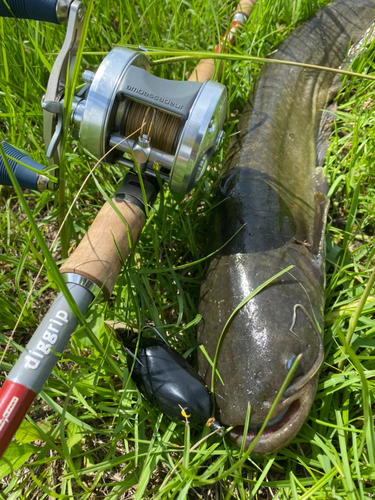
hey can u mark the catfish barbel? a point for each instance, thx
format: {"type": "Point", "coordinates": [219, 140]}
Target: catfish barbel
{"type": "Point", "coordinates": [273, 184]}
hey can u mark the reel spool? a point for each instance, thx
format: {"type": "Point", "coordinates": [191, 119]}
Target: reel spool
{"type": "Point", "coordinates": [177, 125]}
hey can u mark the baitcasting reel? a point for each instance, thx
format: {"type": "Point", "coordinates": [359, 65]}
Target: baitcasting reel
{"type": "Point", "coordinates": [129, 117]}
{"type": "Point", "coordinates": [123, 114]}
{"type": "Point", "coordinates": [176, 125]}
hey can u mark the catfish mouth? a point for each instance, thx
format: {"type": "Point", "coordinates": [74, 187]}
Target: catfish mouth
{"type": "Point", "coordinates": [293, 410]}
{"type": "Point", "coordinates": [282, 428]}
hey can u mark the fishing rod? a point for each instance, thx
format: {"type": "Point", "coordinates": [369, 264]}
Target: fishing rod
{"type": "Point", "coordinates": [134, 120]}
{"type": "Point", "coordinates": [206, 67]}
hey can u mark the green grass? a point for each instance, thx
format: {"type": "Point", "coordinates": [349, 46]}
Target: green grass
{"type": "Point", "coordinates": [90, 435]}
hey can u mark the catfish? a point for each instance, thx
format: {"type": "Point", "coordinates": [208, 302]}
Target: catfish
{"type": "Point", "coordinates": [272, 190]}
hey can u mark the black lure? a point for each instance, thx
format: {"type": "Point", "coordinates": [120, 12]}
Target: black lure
{"type": "Point", "coordinates": [168, 381]}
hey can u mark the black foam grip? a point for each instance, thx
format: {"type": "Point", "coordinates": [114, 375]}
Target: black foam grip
{"type": "Point", "coordinates": [27, 179]}
{"type": "Point", "coordinates": [40, 10]}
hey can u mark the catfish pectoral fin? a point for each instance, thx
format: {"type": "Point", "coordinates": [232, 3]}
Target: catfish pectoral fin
{"type": "Point", "coordinates": [321, 182]}
{"type": "Point", "coordinates": [320, 222]}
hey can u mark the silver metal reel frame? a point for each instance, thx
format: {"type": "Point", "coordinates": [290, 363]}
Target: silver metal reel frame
{"type": "Point", "coordinates": [199, 138]}
{"type": "Point", "coordinates": [99, 109]}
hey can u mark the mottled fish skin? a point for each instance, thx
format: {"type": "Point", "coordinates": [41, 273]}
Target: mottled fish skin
{"type": "Point", "coordinates": [271, 183]}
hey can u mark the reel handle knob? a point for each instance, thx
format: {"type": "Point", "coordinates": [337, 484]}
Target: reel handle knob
{"type": "Point", "coordinates": [52, 11]}
{"type": "Point", "coordinates": [97, 256]}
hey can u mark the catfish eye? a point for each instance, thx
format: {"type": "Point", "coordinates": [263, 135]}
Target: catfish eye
{"type": "Point", "coordinates": [290, 362]}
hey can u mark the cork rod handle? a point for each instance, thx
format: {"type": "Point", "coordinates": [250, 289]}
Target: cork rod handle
{"type": "Point", "coordinates": [107, 243]}
{"type": "Point", "coordinates": [245, 6]}
{"type": "Point", "coordinates": [203, 71]}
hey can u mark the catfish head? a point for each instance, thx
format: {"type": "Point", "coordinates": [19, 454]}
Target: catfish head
{"type": "Point", "coordinates": [262, 342]}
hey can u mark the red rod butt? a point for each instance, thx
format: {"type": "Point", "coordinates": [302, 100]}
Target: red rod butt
{"type": "Point", "coordinates": [15, 400]}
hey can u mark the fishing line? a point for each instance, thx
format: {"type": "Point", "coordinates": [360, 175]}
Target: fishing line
{"type": "Point", "coordinates": [163, 127]}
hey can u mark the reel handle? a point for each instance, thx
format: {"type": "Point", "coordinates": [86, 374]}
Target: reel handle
{"type": "Point", "coordinates": [97, 256]}
{"type": "Point", "coordinates": [27, 179]}
{"type": "Point", "coordinates": [52, 11]}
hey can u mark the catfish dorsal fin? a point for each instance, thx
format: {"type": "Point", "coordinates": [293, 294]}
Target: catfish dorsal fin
{"type": "Point", "coordinates": [320, 221]}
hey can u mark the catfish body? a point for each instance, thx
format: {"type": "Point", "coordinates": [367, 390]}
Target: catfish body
{"type": "Point", "coordinates": [272, 187]}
